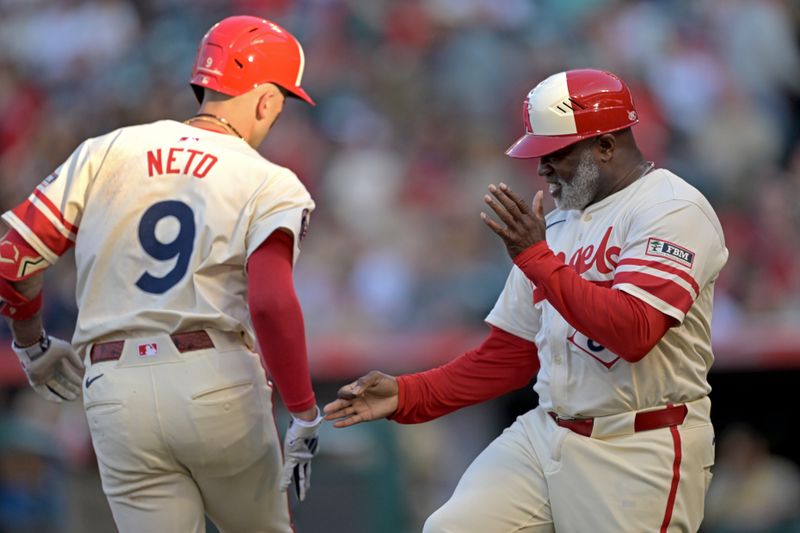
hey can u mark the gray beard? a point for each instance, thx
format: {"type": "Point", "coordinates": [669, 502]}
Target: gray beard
{"type": "Point", "coordinates": [584, 185]}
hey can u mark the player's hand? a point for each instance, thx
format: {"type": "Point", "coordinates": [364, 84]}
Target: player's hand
{"type": "Point", "coordinates": [370, 397]}
{"type": "Point", "coordinates": [53, 368]}
{"type": "Point", "coordinates": [299, 447]}
{"type": "Point", "coordinates": [524, 226]}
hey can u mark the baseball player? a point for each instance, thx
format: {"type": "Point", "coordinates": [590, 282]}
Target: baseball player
{"type": "Point", "coordinates": [185, 239]}
{"type": "Point", "coordinates": [609, 305]}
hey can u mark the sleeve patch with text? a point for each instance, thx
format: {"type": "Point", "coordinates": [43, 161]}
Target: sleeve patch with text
{"type": "Point", "coordinates": [668, 250]}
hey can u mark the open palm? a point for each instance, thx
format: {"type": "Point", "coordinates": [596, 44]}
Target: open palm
{"type": "Point", "coordinates": [370, 397]}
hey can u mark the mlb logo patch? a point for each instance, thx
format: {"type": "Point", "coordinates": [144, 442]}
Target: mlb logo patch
{"type": "Point", "coordinates": [148, 350]}
{"type": "Point", "coordinates": [673, 252]}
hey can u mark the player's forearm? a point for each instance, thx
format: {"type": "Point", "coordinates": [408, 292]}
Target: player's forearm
{"type": "Point", "coordinates": [622, 323]}
{"type": "Point", "coordinates": [278, 321]}
{"type": "Point", "coordinates": [27, 332]}
{"type": "Point", "coordinates": [503, 363]}
{"type": "Point", "coordinates": [22, 303]}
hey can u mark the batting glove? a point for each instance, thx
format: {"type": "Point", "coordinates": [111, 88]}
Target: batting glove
{"type": "Point", "coordinates": [299, 447]}
{"type": "Point", "coordinates": [53, 368]}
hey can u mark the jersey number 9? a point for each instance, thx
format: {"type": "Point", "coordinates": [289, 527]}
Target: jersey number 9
{"type": "Point", "coordinates": [180, 247]}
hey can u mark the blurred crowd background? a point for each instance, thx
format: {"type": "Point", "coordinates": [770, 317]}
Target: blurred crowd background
{"type": "Point", "coordinates": [417, 102]}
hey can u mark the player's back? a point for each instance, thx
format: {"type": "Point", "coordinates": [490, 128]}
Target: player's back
{"type": "Point", "coordinates": [171, 213]}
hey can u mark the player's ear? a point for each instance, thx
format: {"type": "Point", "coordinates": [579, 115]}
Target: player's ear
{"type": "Point", "coordinates": [269, 101]}
{"type": "Point", "coordinates": [605, 145]}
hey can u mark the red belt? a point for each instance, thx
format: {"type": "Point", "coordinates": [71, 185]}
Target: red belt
{"type": "Point", "coordinates": [672, 415]}
{"type": "Point", "coordinates": [184, 342]}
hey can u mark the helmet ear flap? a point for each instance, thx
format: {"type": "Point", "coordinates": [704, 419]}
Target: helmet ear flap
{"type": "Point", "coordinates": [199, 92]}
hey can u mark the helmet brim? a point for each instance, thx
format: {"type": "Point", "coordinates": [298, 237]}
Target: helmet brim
{"type": "Point", "coordinates": [531, 145]}
{"type": "Point", "coordinates": [301, 94]}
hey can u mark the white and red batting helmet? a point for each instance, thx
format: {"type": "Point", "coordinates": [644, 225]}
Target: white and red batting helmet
{"type": "Point", "coordinates": [571, 106]}
{"type": "Point", "coordinates": [241, 53]}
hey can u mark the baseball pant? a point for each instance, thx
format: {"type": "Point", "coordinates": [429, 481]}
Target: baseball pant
{"type": "Point", "coordinates": [182, 435]}
{"type": "Point", "coordinates": [539, 477]}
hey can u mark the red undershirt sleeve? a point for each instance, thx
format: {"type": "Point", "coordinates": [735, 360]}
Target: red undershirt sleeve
{"type": "Point", "coordinates": [278, 320]}
{"type": "Point", "coordinates": [624, 324]}
{"type": "Point", "coordinates": [503, 363]}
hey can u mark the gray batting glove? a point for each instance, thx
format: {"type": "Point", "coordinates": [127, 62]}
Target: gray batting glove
{"type": "Point", "coordinates": [299, 447]}
{"type": "Point", "coordinates": [53, 368]}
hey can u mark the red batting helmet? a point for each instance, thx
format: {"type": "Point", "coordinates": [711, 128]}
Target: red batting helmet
{"type": "Point", "coordinates": [241, 53]}
{"type": "Point", "coordinates": [571, 106]}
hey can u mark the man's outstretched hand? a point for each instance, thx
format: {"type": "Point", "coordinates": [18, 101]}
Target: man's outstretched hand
{"type": "Point", "coordinates": [370, 397]}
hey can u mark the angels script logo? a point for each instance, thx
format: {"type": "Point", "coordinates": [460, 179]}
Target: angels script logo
{"type": "Point", "coordinates": [605, 257]}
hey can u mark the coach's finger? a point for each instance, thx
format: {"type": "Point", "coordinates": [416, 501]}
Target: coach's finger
{"type": "Point", "coordinates": [503, 196]}
{"type": "Point", "coordinates": [348, 421]}
{"type": "Point", "coordinates": [502, 212]}
{"type": "Point", "coordinates": [349, 391]}
{"type": "Point", "coordinates": [494, 226]}
{"type": "Point", "coordinates": [336, 408]}
{"type": "Point", "coordinates": [521, 204]}
{"type": "Point", "coordinates": [538, 205]}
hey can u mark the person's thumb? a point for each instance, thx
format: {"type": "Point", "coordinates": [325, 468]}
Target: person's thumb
{"type": "Point", "coordinates": [538, 205]}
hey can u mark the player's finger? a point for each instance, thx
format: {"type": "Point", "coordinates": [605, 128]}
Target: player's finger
{"type": "Point", "coordinates": [349, 421]}
{"type": "Point", "coordinates": [372, 379]}
{"type": "Point", "coordinates": [72, 389]}
{"type": "Point", "coordinates": [75, 361]}
{"type": "Point", "coordinates": [538, 205]}
{"type": "Point", "coordinates": [521, 204]}
{"type": "Point", "coordinates": [494, 226]}
{"type": "Point", "coordinates": [296, 478]}
{"type": "Point", "coordinates": [344, 412]}
{"type": "Point", "coordinates": [335, 406]}
{"type": "Point", "coordinates": [70, 374]}
{"type": "Point", "coordinates": [500, 210]}
{"type": "Point", "coordinates": [47, 394]}
{"type": "Point", "coordinates": [54, 387]}
{"type": "Point", "coordinates": [507, 202]}
{"type": "Point", "coordinates": [339, 413]}
{"type": "Point", "coordinates": [348, 392]}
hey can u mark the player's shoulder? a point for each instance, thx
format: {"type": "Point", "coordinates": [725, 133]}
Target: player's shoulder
{"type": "Point", "coordinates": [663, 187]}
{"type": "Point", "coordinates": [662, 192]}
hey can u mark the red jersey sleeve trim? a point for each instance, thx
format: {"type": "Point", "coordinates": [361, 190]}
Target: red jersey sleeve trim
{"type": "Point", "coordinates": [47, 232]}
{"type": "Point", "coordinates": [40, 196]}
{"type": "Point", "coordinates": [663, 289]}
{"type": "Point", "coordinates": [663, 268]}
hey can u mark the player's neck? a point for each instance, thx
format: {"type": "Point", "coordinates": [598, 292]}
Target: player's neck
{"type": "Point", "coordinates": [223, 118]}
{"type": "Point", "coordinates": [618, 180]}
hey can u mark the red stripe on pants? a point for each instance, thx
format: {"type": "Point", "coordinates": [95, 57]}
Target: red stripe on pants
{"type": "Point", "coordinates": [676, 477]}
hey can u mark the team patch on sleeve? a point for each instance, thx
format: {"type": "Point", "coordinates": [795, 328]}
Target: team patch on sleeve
{"type": "Point", "coordinates": [661, 248]}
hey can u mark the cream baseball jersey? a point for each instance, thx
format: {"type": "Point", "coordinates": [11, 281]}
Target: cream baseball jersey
{"type": "Point", "coordinates": [163, 217]}
{"type": "Point", "coordinates": [658, 240]}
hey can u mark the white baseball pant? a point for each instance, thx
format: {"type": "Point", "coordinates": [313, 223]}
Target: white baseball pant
{"type": "Point", "coordinates": [539, 477]}
{"type": "Point", "coordinates": [181, 435]}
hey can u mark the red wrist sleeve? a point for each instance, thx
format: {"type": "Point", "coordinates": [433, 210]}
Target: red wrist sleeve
{"type": "Point", "coordinates": [18, 262]}
{"type": "Point", "coordinates": [624, 324]}
{"type": "Point", "coordinates": [503, 363]}
{"type": "Point", "coordinates": [278, 320]}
